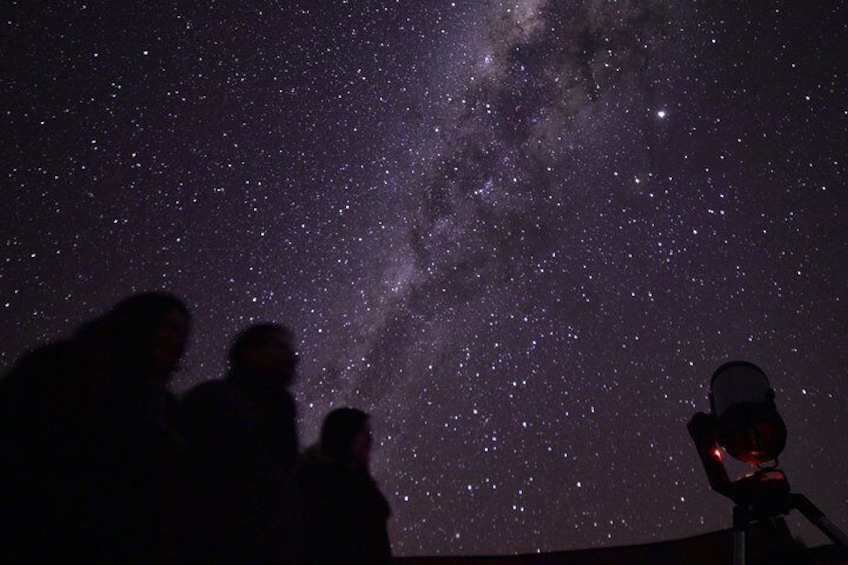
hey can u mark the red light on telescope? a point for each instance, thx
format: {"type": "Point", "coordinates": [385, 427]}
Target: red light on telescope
{"type": "Point", "coordinates": [716, 452]}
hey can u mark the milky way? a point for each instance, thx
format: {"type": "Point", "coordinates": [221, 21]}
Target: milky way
{"type": "Point", "coordinates": [521, 234]}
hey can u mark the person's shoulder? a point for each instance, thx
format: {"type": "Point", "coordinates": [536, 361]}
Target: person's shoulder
{"type": "Point", "coordinates": [313, 461]}
{"type": "Point", "coordinates": [44, 355]}
{"type": "Point", "coordinates": [210, 393]}
{"type": "Point", "coordinates": [36, 366]}
{"type": "Point", "coordinates": [211, 387]}
{"type": "Point", "coordinates": [319, 479]}
{"type": "Point", "coordinates": [311, 455]}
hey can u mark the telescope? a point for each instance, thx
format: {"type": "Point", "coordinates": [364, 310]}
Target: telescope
{"type": "Point", "coordinates": [744, 423]}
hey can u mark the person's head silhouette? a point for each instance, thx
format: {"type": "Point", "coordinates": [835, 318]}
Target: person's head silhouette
{"type": "Point", "coordinates": [264, 355]}
{"type": "Point", "coordinates": [346, 437]}
{"type": "Point", "coordinates": [147, 333]}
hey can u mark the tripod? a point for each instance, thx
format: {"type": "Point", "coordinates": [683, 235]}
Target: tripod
{"type": "Point", "coordinates": [761, 496]}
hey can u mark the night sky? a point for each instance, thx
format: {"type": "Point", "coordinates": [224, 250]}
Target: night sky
{"type": "Point", "coordinates": [522, 234]}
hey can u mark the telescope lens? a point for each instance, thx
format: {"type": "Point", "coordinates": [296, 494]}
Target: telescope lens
{"type": "Point", "coordinates": [749, 426]}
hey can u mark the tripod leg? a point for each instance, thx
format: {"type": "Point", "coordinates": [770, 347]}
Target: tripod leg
{"type": "Point", "coordinates": [817, 517]}
{"type": "Point", "coordinates": [740, 524]}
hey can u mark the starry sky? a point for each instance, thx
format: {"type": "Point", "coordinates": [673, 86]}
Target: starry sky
{"type": "Point", "coordinates": [522, 234]}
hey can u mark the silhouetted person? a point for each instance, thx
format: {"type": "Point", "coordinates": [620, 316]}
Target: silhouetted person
{"type": "Point", "coordinates": [44, 416]}
{"type": "Point", "coordinates": [138, 455]}
{"type": "Point", "coordinates": [345, 514]}
{"type": "Point", "coordinates": [90, 456]}
{"type": "Point", "coordinates": [243, 444]}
